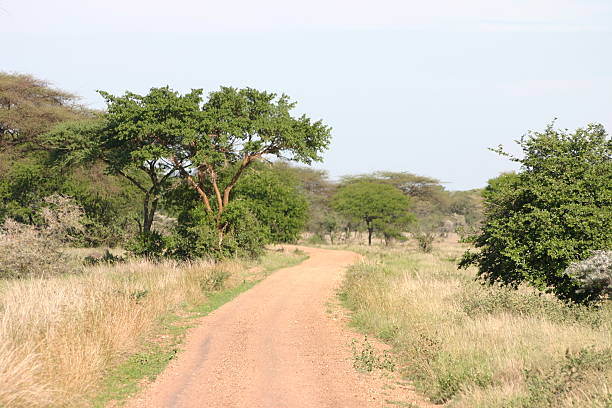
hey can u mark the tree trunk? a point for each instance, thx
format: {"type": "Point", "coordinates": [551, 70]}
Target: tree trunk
{"type": "Point", "coordinates": [149, 207]}
{"type": "Point", "coordinates": [146, 215]}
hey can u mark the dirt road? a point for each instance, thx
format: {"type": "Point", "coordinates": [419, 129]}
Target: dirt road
{"type": "Point", "coordinates": [274, 346]}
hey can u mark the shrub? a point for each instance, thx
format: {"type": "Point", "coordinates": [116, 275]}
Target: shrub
{"type": "Point", "coordinates": [425, 240]}
{"type": "Point", "coordinates": [197, 236]}
{"type": "Point", "coordinates": [147, 244]}
{"type": "Point", "coordinates": [276, 202]}
{"type": "Point", "coordinates": [28, 250]}
{"type": "Point", "coordinates": [106, 258]}
{"type": "Point", "coordinates": [555, 211]}
{"type": "Point", "coordinates": [594, 275]}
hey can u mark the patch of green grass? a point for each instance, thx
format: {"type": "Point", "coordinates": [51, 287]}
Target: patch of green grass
{"type": "Point", "coordinates": [366, 359]}
{"type": "Point", "coordinates": [274, 260]}
{"type": "Point", "coordinates": [125, 379]}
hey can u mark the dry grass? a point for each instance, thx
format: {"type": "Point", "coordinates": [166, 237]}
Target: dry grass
{"type": "Point", "coordinates": [59, 336]}
{"type": "Point", "coordinates": [474, 346]}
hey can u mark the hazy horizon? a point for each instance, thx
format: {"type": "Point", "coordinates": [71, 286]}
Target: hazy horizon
{"type": "Point", "coordinates": [406, 86]}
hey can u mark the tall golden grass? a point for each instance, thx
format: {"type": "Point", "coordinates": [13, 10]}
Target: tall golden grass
{"type": "Point", "coordinates": [58, 336]}
{"type": "Point", "coordinates": [473, 346]}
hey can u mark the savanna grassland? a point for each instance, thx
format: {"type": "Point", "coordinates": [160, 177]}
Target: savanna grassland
{"type": "Point", "coordinates": [95, 336]}
{"type": "Point", "coordinates": [468, 345]}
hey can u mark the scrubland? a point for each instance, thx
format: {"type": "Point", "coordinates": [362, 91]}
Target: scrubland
{"type": "Point", "coordinates": [470, 346]}
{"type": "Point", "coordinates": [61, 337]}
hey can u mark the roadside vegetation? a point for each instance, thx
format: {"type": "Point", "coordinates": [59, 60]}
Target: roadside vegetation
{"type": "Point", "coordinates": [64, 340]}
{"type": "Point", "coordinates": [474, 346]}
{"type": "Point", "coordinates": [119, 227]}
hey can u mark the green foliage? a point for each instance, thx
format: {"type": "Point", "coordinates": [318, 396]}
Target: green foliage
{"type": "Point", "coordinates": [555, 211]}
{"type": "Point", "coordinates": [23, 188]}
{"type": "Point", "coordinates": [28, 108]}
{"type": "Point", "coordinates": [318, 190]}
{"type": "Point", "coordinates": [365, 358]}
{"type": "Point", "coordinates": [133, 139]}
{"type": "Point", "coordinates": [108, 203]}
{"type": "Point", "coordinates": [276, 202]}
{"type": "Point", "coordinates": [380, 206]}
{"type": "Point", "coordinates": [197, 235]}
{"type": "Point", "coordinates": [147, 244]}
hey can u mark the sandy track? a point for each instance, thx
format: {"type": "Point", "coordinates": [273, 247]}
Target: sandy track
{"type": "Point", "coordinates": [272, 347]}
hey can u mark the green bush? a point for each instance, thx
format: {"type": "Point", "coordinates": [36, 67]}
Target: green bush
{"type": "Point", "coordinates": [149, 245]}
{"type": "Point", "coordinates": [276, 202]}
{"type": "Point", "coordinates": [555, 211]}
{"type": "Point", "coordinates": [197, 235]}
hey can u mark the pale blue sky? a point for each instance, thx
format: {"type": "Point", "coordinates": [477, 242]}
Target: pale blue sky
{"type": "Point", "coordinates": [418, 86]}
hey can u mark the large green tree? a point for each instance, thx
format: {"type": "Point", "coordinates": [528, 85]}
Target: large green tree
{"type": "Point", "coordinates": [239, 127]}
{"type": "Point", "coordinates": [380, 206]}
{"type": "Point", "coordinates": [556, 210]}
{"type": "Point", "coordinates": [208, 143]}
{"type": "Point", "coordinates": [135, 139]}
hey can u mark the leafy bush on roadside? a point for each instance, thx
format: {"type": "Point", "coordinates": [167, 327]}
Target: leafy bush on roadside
{"type": "Point", "coordinates": [554, 211]}
{"type": "Point", "coordinates": [149, 245]}
{"type": "Point", "coordinates": [198, 236]}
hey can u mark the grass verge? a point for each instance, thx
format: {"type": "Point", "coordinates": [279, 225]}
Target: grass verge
{"type": "Point", "coordinates": [468, 345]}
{"type": "Point", "coordinates": [83, 340]}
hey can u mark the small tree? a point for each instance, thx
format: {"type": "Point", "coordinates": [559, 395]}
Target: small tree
{"type": "Point", "coordinates": [381, 207]}
{"type": "Point", "coordinates": [555, 211]}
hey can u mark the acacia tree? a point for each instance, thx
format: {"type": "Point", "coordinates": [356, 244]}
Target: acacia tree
{"type": "Point", "coordinates": [208, 144]}
{"type": "Point", "coordinates": [555, 211]}
{"type": "Point", "coordinates": [238, 127]}
{"type": "Point", "coordinates": [380, 206]}
{"type": "Point", "coordinates": [29, 107]}
{"type": "Point", "coordinates": [135, 139]}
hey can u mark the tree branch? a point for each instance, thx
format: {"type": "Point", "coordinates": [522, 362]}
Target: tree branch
{"type": "Point", "coordinates": [193, 184]}
{"type": "Point", "coordinates": [130, 178]}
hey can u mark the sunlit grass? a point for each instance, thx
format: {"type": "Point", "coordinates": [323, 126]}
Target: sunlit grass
{"type": "Point", "coordinates": [476, 346]}
{"type": "Point", "coordinates": [61, 338]}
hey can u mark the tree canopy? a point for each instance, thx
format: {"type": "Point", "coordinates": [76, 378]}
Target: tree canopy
{"type": "Point", "coordinates": [382, 207]}
{"type": "Point", "coordinates": [29, 107]}
{"type": "Point", "coordinates": [555, 211]}
{"type": "Point", "coordinates": [276, 201]}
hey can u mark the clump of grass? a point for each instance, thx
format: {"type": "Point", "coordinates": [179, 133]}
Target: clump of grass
{"type": "Point", "coordinates": [475, 346]}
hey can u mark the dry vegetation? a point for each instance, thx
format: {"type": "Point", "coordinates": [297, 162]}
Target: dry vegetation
{"type": "Point", "coordinates": [60, 336]}
{"type": "Point", "coordinates": [473, 346]}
